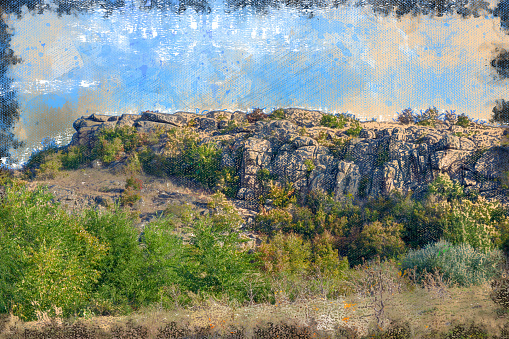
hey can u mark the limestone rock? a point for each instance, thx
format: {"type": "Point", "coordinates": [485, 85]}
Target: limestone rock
{"type": "Point", "coordinates": [385, 158]}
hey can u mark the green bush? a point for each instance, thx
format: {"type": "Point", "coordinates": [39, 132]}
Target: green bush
{"type": "Point", "coordinates": [470, 222]}
{"type": "Point", "coordinates": [212, 264]}
{"type": "Point", "coordinates": [272, 221]}
{"type": "Point", "coordinates": [354, 131]}
{"type": "Point", "coordinates": [378, 238]}
{"type": "Point", "coordinates": [50, 259]}
{"type": "Point", "coordinates": [278, 114]}
{"type": "Point", "coordinates": [325, 257]}
{"type": "Point", "coordinates": [107, 151]}
{"type": "Point", "coordinates": [428, 118]}
{"type": "Point", "coordinates": [282, 196]}
{"type": "Point", "coordinates": [463, 121]}
{"type": "Point", "coordinates": [286, 253]}
{"type": "Point", "coordinates": [331, 121]}
{"type": "Point", "coordinates": [121, 284]}
{"type": "Point", "coordinates": [127, 135]}
{"type": "Point", "coordinates": [445, 188]}
{"type": "Point", "coordinates": [462, 264]}
{"type": "Point", "coordinates": [133, 165]}
{"type": "Point", "coordinates": [75, 157]}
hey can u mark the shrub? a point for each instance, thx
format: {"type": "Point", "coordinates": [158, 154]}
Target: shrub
{"type": "Point", "coordinates": [354, 131]}
{"type": "Point", "coordinates": [109, 142]}
{"type": "Point", "coordinates": [470, 222]}
{"type": "Point", "coordinates": [133, 165]}
{"type": "Point", "coordinates": [278, 114]}
{"type": "Point", "coordinates": [107, 151]}
{"type": "Point", "coordinates": [75, 156]}
{"type": "Point", "coordinates": [406, 116]}
{"type": "Point", "coordinates": [286, 253]}
{"type": "Point", "coordinates": [378, 238]}
{"type": "Point", "coordinates": [428, 118]}
{"type": "Point", "coordinates": [283, 196]}
{"type": "Point", "coordinates": [51, 166]}
{"type": "Point", "coordinates": [331, 121]}
{"type": "Point", "coordinates": [212, 264]}
{"type": "Point", "coordinates": [134, 183]}
{"type": "Point", "coordinates": [500, 112]}
{"type": "Point", "coordinates": [326, 259]}
{"type": "Point", "coordinates": [461, 264]}
{"type": "Point", "coordinates": [127, 135]}
{"type": "Point", "coordinates": [463, 121]}
{"type": "Point", "coordinates": [273, 221]}
{"type": "Point", "coordinates": [50, 258]}
{"type": "Point", "coordinates": [451, 117]}
{"type": "Point", "coordinates": [121, 286]}
{"type": "Point", "coordinates": [445, 188]}
{"type": "Point", "coordinates": [224, 215]}
{"type": "Point", "coordinates": [129, 197]}
{"type": "Point", "coordinates": [45, 163]}
{"type": "Point", "coordinates": [256, 115]}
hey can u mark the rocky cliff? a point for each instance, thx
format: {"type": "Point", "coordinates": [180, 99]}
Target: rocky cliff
{"type": "Point", "coordinates": [382, 158]}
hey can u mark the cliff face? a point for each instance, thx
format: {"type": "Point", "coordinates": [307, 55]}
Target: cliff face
{"type": "Point", "coordinates": [384, 158]}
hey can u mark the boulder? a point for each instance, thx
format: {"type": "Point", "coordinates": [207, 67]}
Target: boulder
{"type": "Point", "coordinates": [179, 119]}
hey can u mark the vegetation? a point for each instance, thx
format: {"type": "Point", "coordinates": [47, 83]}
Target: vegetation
{"type": "Point", "coordinates": [256, 115]}
{"type": "Point", "coordinates": [97, 263]}
{"type": "Point", "coordinates": [278, 114]}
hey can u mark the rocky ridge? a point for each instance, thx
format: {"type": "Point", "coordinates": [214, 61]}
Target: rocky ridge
{"type": "Point", "coordinates": [384, 158]}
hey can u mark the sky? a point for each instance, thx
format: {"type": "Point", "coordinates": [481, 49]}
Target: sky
{"type": "Point", "coordinates": [336, 60]}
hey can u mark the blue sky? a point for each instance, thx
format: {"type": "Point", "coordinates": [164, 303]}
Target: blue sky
{"type": "Point", "coordinates": [341, 60]}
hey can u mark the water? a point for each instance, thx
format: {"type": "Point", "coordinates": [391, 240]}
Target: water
{"type": "Point", "coordinates": [337, 60]}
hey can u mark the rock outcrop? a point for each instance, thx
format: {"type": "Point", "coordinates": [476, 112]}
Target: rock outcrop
{"type": "Point", "coordinates": [384, 158]}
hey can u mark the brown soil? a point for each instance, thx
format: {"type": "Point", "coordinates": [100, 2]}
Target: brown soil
{"type": "Point", "coordinates": [82, 189]}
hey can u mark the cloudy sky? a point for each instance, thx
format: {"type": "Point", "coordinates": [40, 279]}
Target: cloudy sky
{"type": "Point", "coordinates": [337, 60]}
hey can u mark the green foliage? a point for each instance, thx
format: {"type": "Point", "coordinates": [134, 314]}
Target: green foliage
{"type": "Point", "coordinates": [75, 157]}
{"type": "Point", "coordinates": [463, 121]}
{"type": "Point", "coordinates": [278, 114]}
{"type": "Point", "coordinates": [127, 135]}
{"type": "Point", "coordinates": [50, 259]}
{"type": "Point", "coordinates": [428, 118]}
{"type": "Point", "coordinates": [51, 166]}
{"type": "Point", "coordinates": [129, 197]}
{"type": "Point", "coordinates": [331, 121]}
{"type": "Point", "coordinates": [310, 166]}
{"type": "Point", "coordinates": [470, 222]}
{"type": "Point", "coordinates": [224, 216]}
{"type": "Point", "coordinates": [354, 131]}
{"type": "Point", "coordinates": [107, 151]}
{"type": "Point", "coordinates": [45, 163]}
{"type": "Point", "coordinates": [184, 157]}
{"type": "Point", "coordinates": [444, 188]}
{"type": "Point", "coordinates": [121, 286]}
{"type": "Point", "coordinates": [363, 187]}
{"type": "Point", "coordinates": [109, 142]}
{"type": "Point", "coordinates": [212, 264]}
{"type": "Point", "coordinates": [272, 221]}
{"type": "Point", "coordinates": [286, 253]}
{"type": "Point", "coordinates": [325, 257]}
{"type": "Point", "coordinates": [232, 124]}
{"type": "Point", "coordinates": [378, 238]}
{"type": "Point", "coordinates": [382, 157]}
{"type": "Point", "coordinates": [406, 116]}
{"type": "Point", "coordinates": [133, 183]}
{"type": "Point", "coordinates": [133, 165]}
{"type": "Point", "coordinates": [460, 264]}
{"type": "Point", "coordinates": [282, 196]}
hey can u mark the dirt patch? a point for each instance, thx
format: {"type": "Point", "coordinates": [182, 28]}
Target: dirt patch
{"type": "Point", "coordinates": [98, 187]}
